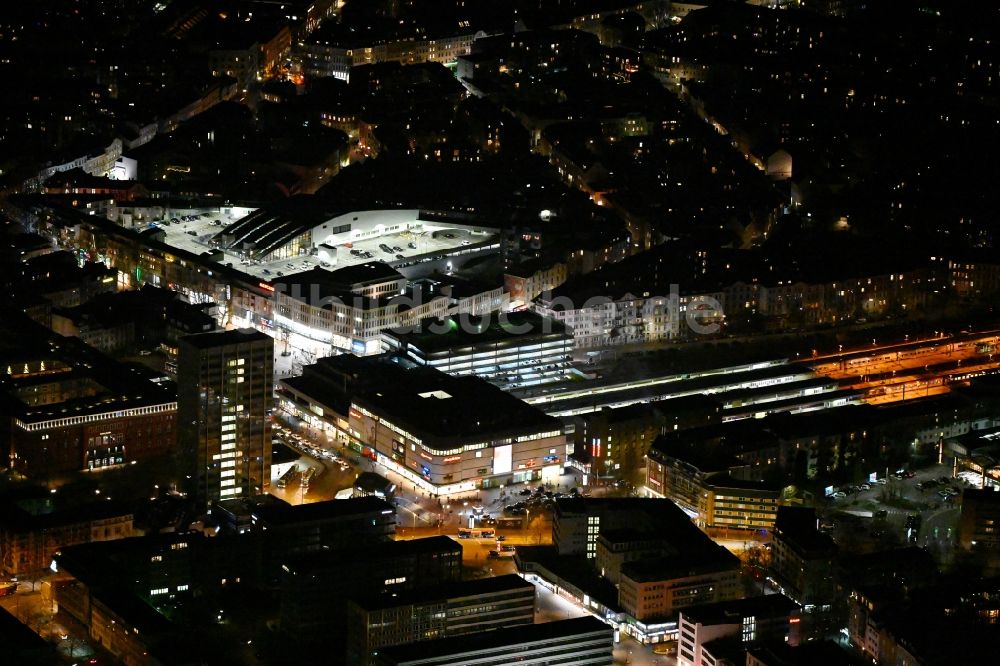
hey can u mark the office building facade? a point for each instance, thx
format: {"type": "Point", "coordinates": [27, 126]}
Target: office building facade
{"type": "Point", "coordinates": [225, 389]}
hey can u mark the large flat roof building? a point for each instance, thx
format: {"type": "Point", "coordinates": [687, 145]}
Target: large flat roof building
{"type": "Point", "coordinates": [446, 434]}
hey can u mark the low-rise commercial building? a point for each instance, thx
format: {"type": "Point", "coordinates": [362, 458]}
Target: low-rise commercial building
{"type": "Point", "coordinates": [657, 589]}
{"type": "Point", "coordinates": [287, 530]}
{"type": "Point", "coordinates": [584, 641]}
{"type": "Point", "coordinates": [381, 620]}
{"type": "Point", "coordinates": [679, 462]}
{"type": "Point", "coordinates": [733, 504]}
{"type": "Point", "coordinates": [746, 621]}
{"type": "Point", "coordinates": [315, 587]}
{"type": "Point", "coordinates": [617, 547]}
{"type": "Point", "coordinates": [578, 522]}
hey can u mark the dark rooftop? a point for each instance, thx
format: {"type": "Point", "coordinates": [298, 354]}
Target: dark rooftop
{"type": "Point", "coordinates": [437, 406]}
{"type": "Point", "coordinates": [725, 480]}
{"type": "Point", "coordinates": [41, 515]}
{"type": "Point", "coordinates": [287, 514]}
{"type": "Point", "coordinates": [727, 612]}
{"type": "Point", "coordinates": [366, 273]}
{"type": "Point", "coordinates": [797, 525]}
{"type": "Point", "coordinates": [813, 653]}
{"type": "Point", "coordinates": [454, 590]}
{"type": "Point", "coordinates": [220, 338]}
{"type": "Point", "coordinates": [685, 563]}
{"type": "Point", "coordinates": [335, 559]}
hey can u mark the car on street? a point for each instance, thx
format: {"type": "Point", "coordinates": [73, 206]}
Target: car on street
{"type": "Point", "coordinates": [840, 494]}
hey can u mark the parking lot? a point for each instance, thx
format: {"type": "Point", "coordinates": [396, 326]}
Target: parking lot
{"type": "Point", "coordinates": [919, 507]}
{"type": "Point", "coordinates": [193, 234]}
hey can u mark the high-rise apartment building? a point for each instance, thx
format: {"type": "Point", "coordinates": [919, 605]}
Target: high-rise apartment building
{"type": "Point", "coordinates": [224, 395]}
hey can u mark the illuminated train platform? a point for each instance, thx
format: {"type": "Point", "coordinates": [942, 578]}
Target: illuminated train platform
{"type": "Point", "coordinates": [875, 375]}
{"type": "Point", "coordinates": [796, 380]}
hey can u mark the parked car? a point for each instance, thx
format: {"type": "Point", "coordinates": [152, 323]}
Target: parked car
{"type": "Point", "coordinates": [840, 494]}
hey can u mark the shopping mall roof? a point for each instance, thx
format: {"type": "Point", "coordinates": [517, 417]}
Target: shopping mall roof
{"type": "Point", "coordinates": [269, 228]}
